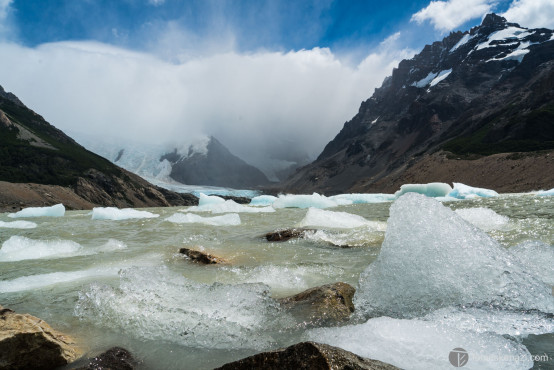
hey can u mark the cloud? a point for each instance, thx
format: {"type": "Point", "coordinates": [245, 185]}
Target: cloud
{"type": "Point", "coordinates": [258, 104]}
{"type": "Point", "coordinates": [447, 15]}
{"type": "Point", "coordinates": [5, 26]}
{"type": "Point", "coordinates": [531, 13]}
{"type": "Point", "coordinates": [156, 2]}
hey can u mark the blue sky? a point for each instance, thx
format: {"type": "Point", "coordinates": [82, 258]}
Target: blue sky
{"type": "Point", "coordinates": [267, 77]}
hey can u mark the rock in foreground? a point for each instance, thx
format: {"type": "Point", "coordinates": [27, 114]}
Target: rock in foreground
{"type": "Point", "coordinates": [200, 257]}
{"type": "Point", "coordinates": [27, 342]}
{"type": "Point", "coordinates": [307, 355]}
{"type": "Point", "coordinates": [323, 304]}
{"type": "Point", "coordinates": [115, 358]}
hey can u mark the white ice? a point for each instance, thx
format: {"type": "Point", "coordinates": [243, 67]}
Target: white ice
{"type": "Point", "coordinates": [215, 204]}
{"type": "Point", "coordinates": [356, 198]}
{"type": "Point", "coordinates": [316, 217]}
{"type": "Point", "coordinates": [510, 33]}
{"type": "Point", "coordinates": [231, 219]}
{"type": "Point", "coordinates": [462, 191]}
{"type": "Point", "coordinates": [432, 258]}
{"type": "Point", "coordinates": [537, 257]}
{"type": "Point", "coordinates": [433, 189]}
{"type": "Point", "coordinates": [18, 225]}
{"type": "Point", "coordinates": [18, 248]}
{"type": "Point", "coordinates": [484, 218]}
{"type": "Point", "coordinates": [204, 199]}
{"type": "Point", "coordinates": [57, 210]}
{"type": "Point", "coordinates": [116, 214]}
{"type": "Point", "coordinates": [545, 193]}
{"type": "Point", "coordinates": [426, 80]}
{"type": "Point", "coordinates": [440, 76]}
{"type": "Point", "coordinates": [263, 200]}
{"type": "Point", "coordinates": [418, 344]}
{"type": "Point", "coordinates": [304, 201]}
{"type": "Point", "coordinates": [462, 41]}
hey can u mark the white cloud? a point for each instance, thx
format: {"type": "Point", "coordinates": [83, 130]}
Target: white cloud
{"type": "Point", "coordinates": [255, 103]}
{"type": "Point", "coordinates": [5, 27]}
{"type": "Point", "coordinates": [531, 13]}
{"type": "Point", "coordinates": [156, 2]}
{"type": "Point", "coordinates": [447, 15]}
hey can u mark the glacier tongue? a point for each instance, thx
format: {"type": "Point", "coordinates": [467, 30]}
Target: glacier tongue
{"type": "Point", "coordinates": [432, 258]}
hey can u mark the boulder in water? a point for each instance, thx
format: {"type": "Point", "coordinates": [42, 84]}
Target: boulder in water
{"type": "Point", "coordinates": [286, 234]}
{"type": "Point", "coordinates": [307, 355]}
{"type": "Point", "coordinates": [200, 257]}
{"type": "Point", "coordinates": [27, 342]}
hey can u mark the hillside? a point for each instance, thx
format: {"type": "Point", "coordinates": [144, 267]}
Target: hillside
{"type": "Point", "coordinates": [33, 151]}
{"type": "Point", "coordinates": [472, 95]}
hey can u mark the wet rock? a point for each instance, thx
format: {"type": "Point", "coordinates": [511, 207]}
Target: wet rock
{"type": "Point", "coordinates": [201, 257]}
{"type": "Point", "coordinates": [27, 342]}
{"type": "Point", "coordinates": [239, 200]}
{"type": "Point", "coordinates": [307, 355]}
{"type": "Point", "coordinates": [115, 358]}
{"type": "Point", "coordinates": [286, 234]}
{"type": "Point", "coordinates": [325, 304]}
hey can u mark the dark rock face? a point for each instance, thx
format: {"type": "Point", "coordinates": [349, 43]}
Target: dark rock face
{"type": "Point", "coordinates": [200, 257]}
{"type": "Point", "coordinates": [34, 151]}
{"type": "Point", "coordinates": [326, 304]}
{"type": "Point", "coordinates": [286, 234]}
{"type": "Point", "coordinates": [27, 342]}
{"type": "Point", "coordinates": [217, 167]}
{"type": "Point", "coordinates": [307, 355]}
{"type": "Point", "coordinates": [115, 358]}
{"type": "Point", "coordinates": [477, 93]}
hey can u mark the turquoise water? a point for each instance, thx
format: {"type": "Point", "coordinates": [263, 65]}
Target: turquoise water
{"type": "Point", "coordinates": [124, 283]}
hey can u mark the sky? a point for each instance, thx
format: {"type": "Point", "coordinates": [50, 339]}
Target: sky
{"type": "Point", "coordinates": [271, 79]}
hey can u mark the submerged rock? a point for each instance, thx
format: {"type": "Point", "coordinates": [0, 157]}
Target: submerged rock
{"type": "Point", "coordinates": [323, 304]}
{"type": "Point", "coordinates": [286, 234]}
{"type": "Point", "coordinates": [307, 355]}
{"type": "Point", "coordinates": [27, 342]}
{"type": "Point", "coordinates": [115, 358]}
{"type": "Point", "coordinates": [201, 257]}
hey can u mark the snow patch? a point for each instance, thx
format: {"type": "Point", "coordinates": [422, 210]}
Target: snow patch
{"type": "Point", "coordinates": [441, 76]}
{"type": "Point", "coordinates": [510, 33]}
{"type": "Point", "coordinates": [425, 81]}
{"type": "Point", "coordinates": [464, 40]}
{"type": "Point", "coordinates": [57, 210]}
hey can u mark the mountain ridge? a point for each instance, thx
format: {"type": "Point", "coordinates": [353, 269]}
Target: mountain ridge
{"type": "Point", "coordinates": [485, 91]}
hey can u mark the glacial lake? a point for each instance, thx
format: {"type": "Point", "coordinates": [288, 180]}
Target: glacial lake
{"type": "Point", "coordinates": [474, 274]}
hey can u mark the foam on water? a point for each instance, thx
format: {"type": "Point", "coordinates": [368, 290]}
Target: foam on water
{"type": "Point", "coordinates": [116, 214]}
{"type": "Point", "coordinates": [316, 217]}
{"type": "Point", "coordinates": [230, 219]}
{"type": "Point", "coordinates": [112, 245]}
{"type": "Point", "coordinates": [432, 258]}
{"type": "Point", "coordinates": [484, 218]}
{"type": "Point", "coordinates": [214, 205]}
{"type": "Point", "coordinates": [157, 304]}
{"type": "Point", "coordinates": [462, 191]}
{"type": "Point", "coordinates": [418, 344]}
{"type": "Point", "coordinates": [433, 189]}
{"type": "Point", "coordinates": [18, 248]}
{"type": "Point", "coordinates": [537, 258]}
{"type": "Point", "coordinates": [57, 210]}
{"type": "Point", "coordinates": [18, 225]}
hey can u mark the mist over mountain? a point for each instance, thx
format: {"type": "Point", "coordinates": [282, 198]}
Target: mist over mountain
{"type": "Point", "coordinates": [457, 111]}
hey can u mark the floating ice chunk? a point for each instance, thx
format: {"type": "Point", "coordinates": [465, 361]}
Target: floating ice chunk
{"type": "Point", "coordinates": [441, 76]}
{"type": "Point", "coordinates": [362, 198]}
{"type": "Point", "coordinates": [417, 344]}
{"type": "Point", "coordinates": [546, 193]}
{"type": "Point", "coordinates": [357, 237]}
{"type": "Point", "coordinates": [57, 210]}
{"type": "Point", "coordinates": [434, 189]}
{"type": "Point", "coordinates": [263, 200]}
{"type": "Point", "coordinates": [484, 218]}
{"type": "Point", "coordinates": [231, 219]}
{"type": "Point", "coordinates": [538, 259]}
{"type": "Point", "coordinates": [19, 248]}
{"type": "Point", "coordinates": [116, 214]}
{"type": "Point", "coordinates": [462, 191]}
{"type": "Point", "coordinates": [18, 225]}
{"type": "Point", "coordinates": [228, 206]}
{"type": "Point", "coordinates": [304, 201]}
{"type": "Point", "coordinates": [204, 199]}
{"type": "Point", "coordinates": [342, 220]}
{"type": "Point", "coordinates": [157, 304]}
{"type": "Point", "coordinates": [432, 258]}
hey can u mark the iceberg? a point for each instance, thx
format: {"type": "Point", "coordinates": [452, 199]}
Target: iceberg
{"type": "Point", "coordinates": [356, 198]}
{"type": "Point", "coordinates": [116, 214]}
{"type": "Point", "coordinates": [462, 191]}
{"type": "Point", "coordinates": [432, 258]}
{"type": "Point", "coordinates": [537, 257]}
{"type": "Point", "coordinates": [57, 210]}
{"type": "Point", "coordinates": [484, 218]}
{"type": "Point", "coordinates": [341, 220]}
{"type": "Point", "coordinates": [18, 225]}
{"type": "Point", "coordinates": [434, 189]}
{"type": "Point", "coordinates": [545, 193]}
{"type": "Point", "coordinates": [204, 199]}
{"type": "Point", "coordinates": [305, 201]}
{"type": "Point", "coordinates": [18, 248]}
{"type": "Point", "coordinates": [263, 200]}
{"type": "Point", "coordinates": [231, 219]}
{"type": "Point", "coordinates": [213, 205]}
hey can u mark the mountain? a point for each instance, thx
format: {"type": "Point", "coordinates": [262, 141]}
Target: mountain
{"type": "Point", "coordinates": [476, 107]}
{"type": "Point", "coordinates": [213, 164]}
{"type": "Point", "coordinates": [33, 151]}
